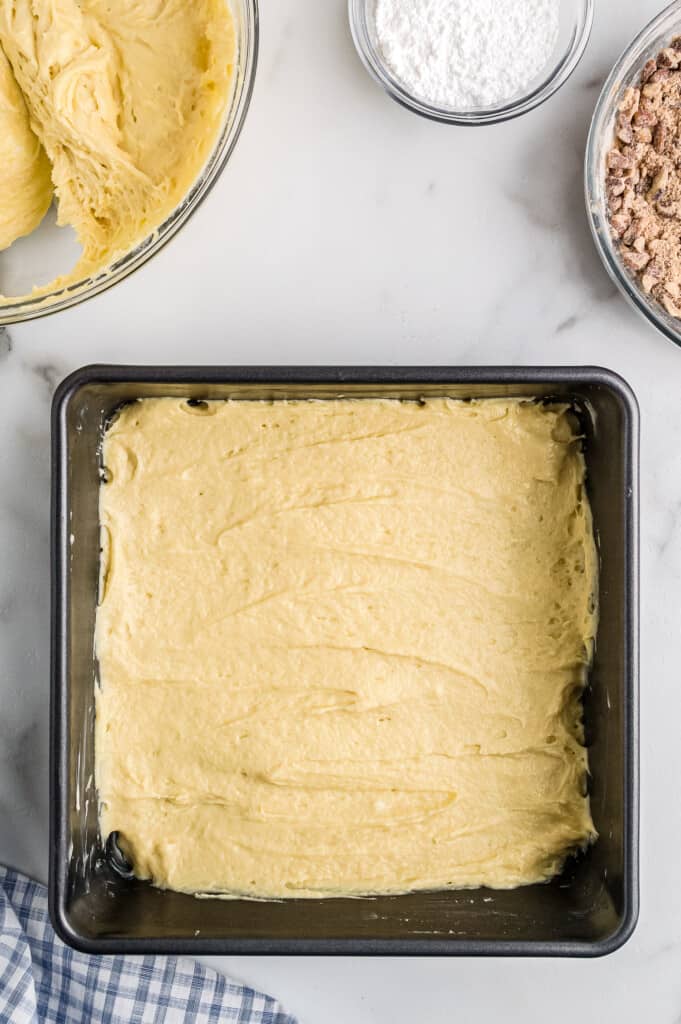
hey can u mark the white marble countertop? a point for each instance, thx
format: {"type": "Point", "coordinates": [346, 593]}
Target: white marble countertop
{"type": "Point", "coordinates": [346, 230]}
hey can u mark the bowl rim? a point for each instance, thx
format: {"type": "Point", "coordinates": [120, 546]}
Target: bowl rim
{"type": "Point", "coordinates": [35, 307]}
{"type": "Point", "coordinates": [475, 117]}
{"type": "Point", "coordinates": [597, 216]}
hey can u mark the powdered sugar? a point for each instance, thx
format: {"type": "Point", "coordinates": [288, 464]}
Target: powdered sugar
{"type": "Point", "coordinates": [462, 54]}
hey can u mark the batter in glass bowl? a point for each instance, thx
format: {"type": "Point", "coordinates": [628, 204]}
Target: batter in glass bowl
{"type": "Point", "coordinates": [127, 100]}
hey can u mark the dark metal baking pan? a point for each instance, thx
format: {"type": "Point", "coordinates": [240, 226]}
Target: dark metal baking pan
{"type": "Point", "coordinates": [591, 909]}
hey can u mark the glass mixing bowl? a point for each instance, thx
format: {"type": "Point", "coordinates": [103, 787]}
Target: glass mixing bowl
{"type": "Point", "coordinates": [36, 249]}
{"type": "Point", "coordinates": [654, 37]}
{"type": "Point", "coordinates": [576, 18]}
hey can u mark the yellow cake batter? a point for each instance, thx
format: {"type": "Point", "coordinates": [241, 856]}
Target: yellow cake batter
{"type": "Point", "coordinates": [25, 185]}
{"type": "Point", "coordinates": [127, 99]}
{"type": "Point", "coordinates": [342, 644]}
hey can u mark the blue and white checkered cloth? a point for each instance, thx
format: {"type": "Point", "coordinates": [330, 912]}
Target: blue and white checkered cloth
{"type": "Point", "coordinates": [42, 981]}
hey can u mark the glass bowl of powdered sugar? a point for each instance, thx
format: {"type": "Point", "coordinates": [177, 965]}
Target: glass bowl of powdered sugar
{"type": "Point", "coordinates": [471, 61]}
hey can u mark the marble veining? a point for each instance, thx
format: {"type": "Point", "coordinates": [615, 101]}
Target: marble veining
{"type": "Point", "coordinates": [346, 230]}
{"type": "Point", "coordinates": [5, 343]}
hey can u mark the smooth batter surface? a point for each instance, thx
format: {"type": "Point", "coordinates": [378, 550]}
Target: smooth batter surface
{"type": "Point", "coordinates": [126, 99]}
{"type": "Point", "coordinates": [342, 644]}
{"type": "Point", "coordinates": [25, 184]}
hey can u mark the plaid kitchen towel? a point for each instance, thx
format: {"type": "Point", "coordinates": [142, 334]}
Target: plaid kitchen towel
{"type": "Point", "coordinates": [42, 981]}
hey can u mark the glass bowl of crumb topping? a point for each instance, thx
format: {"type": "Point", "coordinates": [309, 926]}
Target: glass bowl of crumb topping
{"type": "Point", "coordinates": [168, 156]}
{"type": "Point", "coordinates": [632, 203]}
{"type": "Point", "coordinates": [466, 63]}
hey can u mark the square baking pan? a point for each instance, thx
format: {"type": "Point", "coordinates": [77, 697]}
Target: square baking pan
{"type": "Point", "coordinates": [589, 910]}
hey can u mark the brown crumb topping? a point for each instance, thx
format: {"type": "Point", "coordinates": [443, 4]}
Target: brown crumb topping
{"type": "Point", "coordinates": [643, 182]}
